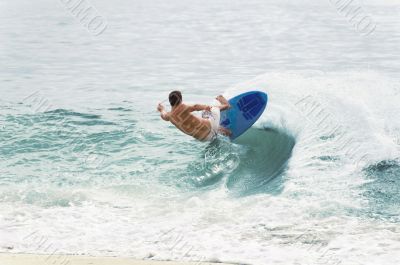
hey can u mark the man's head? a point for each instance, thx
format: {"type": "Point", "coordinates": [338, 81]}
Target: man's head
{"type": "Point", "coordinates": [175, 98]}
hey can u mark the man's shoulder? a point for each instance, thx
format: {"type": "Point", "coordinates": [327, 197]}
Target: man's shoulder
{"type": "Point", "coordinates": [182, 108]}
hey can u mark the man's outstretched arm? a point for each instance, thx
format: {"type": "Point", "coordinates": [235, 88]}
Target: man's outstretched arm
{"type": "Point", "coordinates": [199, 107]}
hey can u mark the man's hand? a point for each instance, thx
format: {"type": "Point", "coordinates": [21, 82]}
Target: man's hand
{"type": "Point", "coordinates": [164, 114]}
{"type": "Point", "coordinates": [208, 108]}
{"type": "Point", "coordinates": [160, 107]}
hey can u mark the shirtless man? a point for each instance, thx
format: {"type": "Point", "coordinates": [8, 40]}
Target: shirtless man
{"type": "Point", "coordinates": [203, 129]}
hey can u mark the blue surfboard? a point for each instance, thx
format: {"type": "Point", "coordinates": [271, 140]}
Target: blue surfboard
{"type": "Point", "coordinates": [245, 110]}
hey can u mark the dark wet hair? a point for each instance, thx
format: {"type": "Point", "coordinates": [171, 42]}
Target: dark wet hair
{"type": "Point", "coordinates": [175, 98]}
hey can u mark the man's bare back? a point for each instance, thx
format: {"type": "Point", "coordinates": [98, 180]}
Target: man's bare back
{"type": "Point", "coordinates": [182, 117]}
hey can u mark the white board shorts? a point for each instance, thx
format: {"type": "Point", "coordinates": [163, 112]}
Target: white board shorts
{"type": "Point", "coordinates": [214, 117]}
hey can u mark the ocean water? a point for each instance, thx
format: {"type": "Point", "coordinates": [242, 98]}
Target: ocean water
{"type": "Point", "coordinates": [88, 167]}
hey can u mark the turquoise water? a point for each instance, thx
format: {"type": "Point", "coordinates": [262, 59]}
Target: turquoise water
{"type": "Point", "coordinates": [87, 166]}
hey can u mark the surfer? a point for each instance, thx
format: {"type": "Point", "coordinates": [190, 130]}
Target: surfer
{"type": "Point", "coordinates": [203, 128]}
